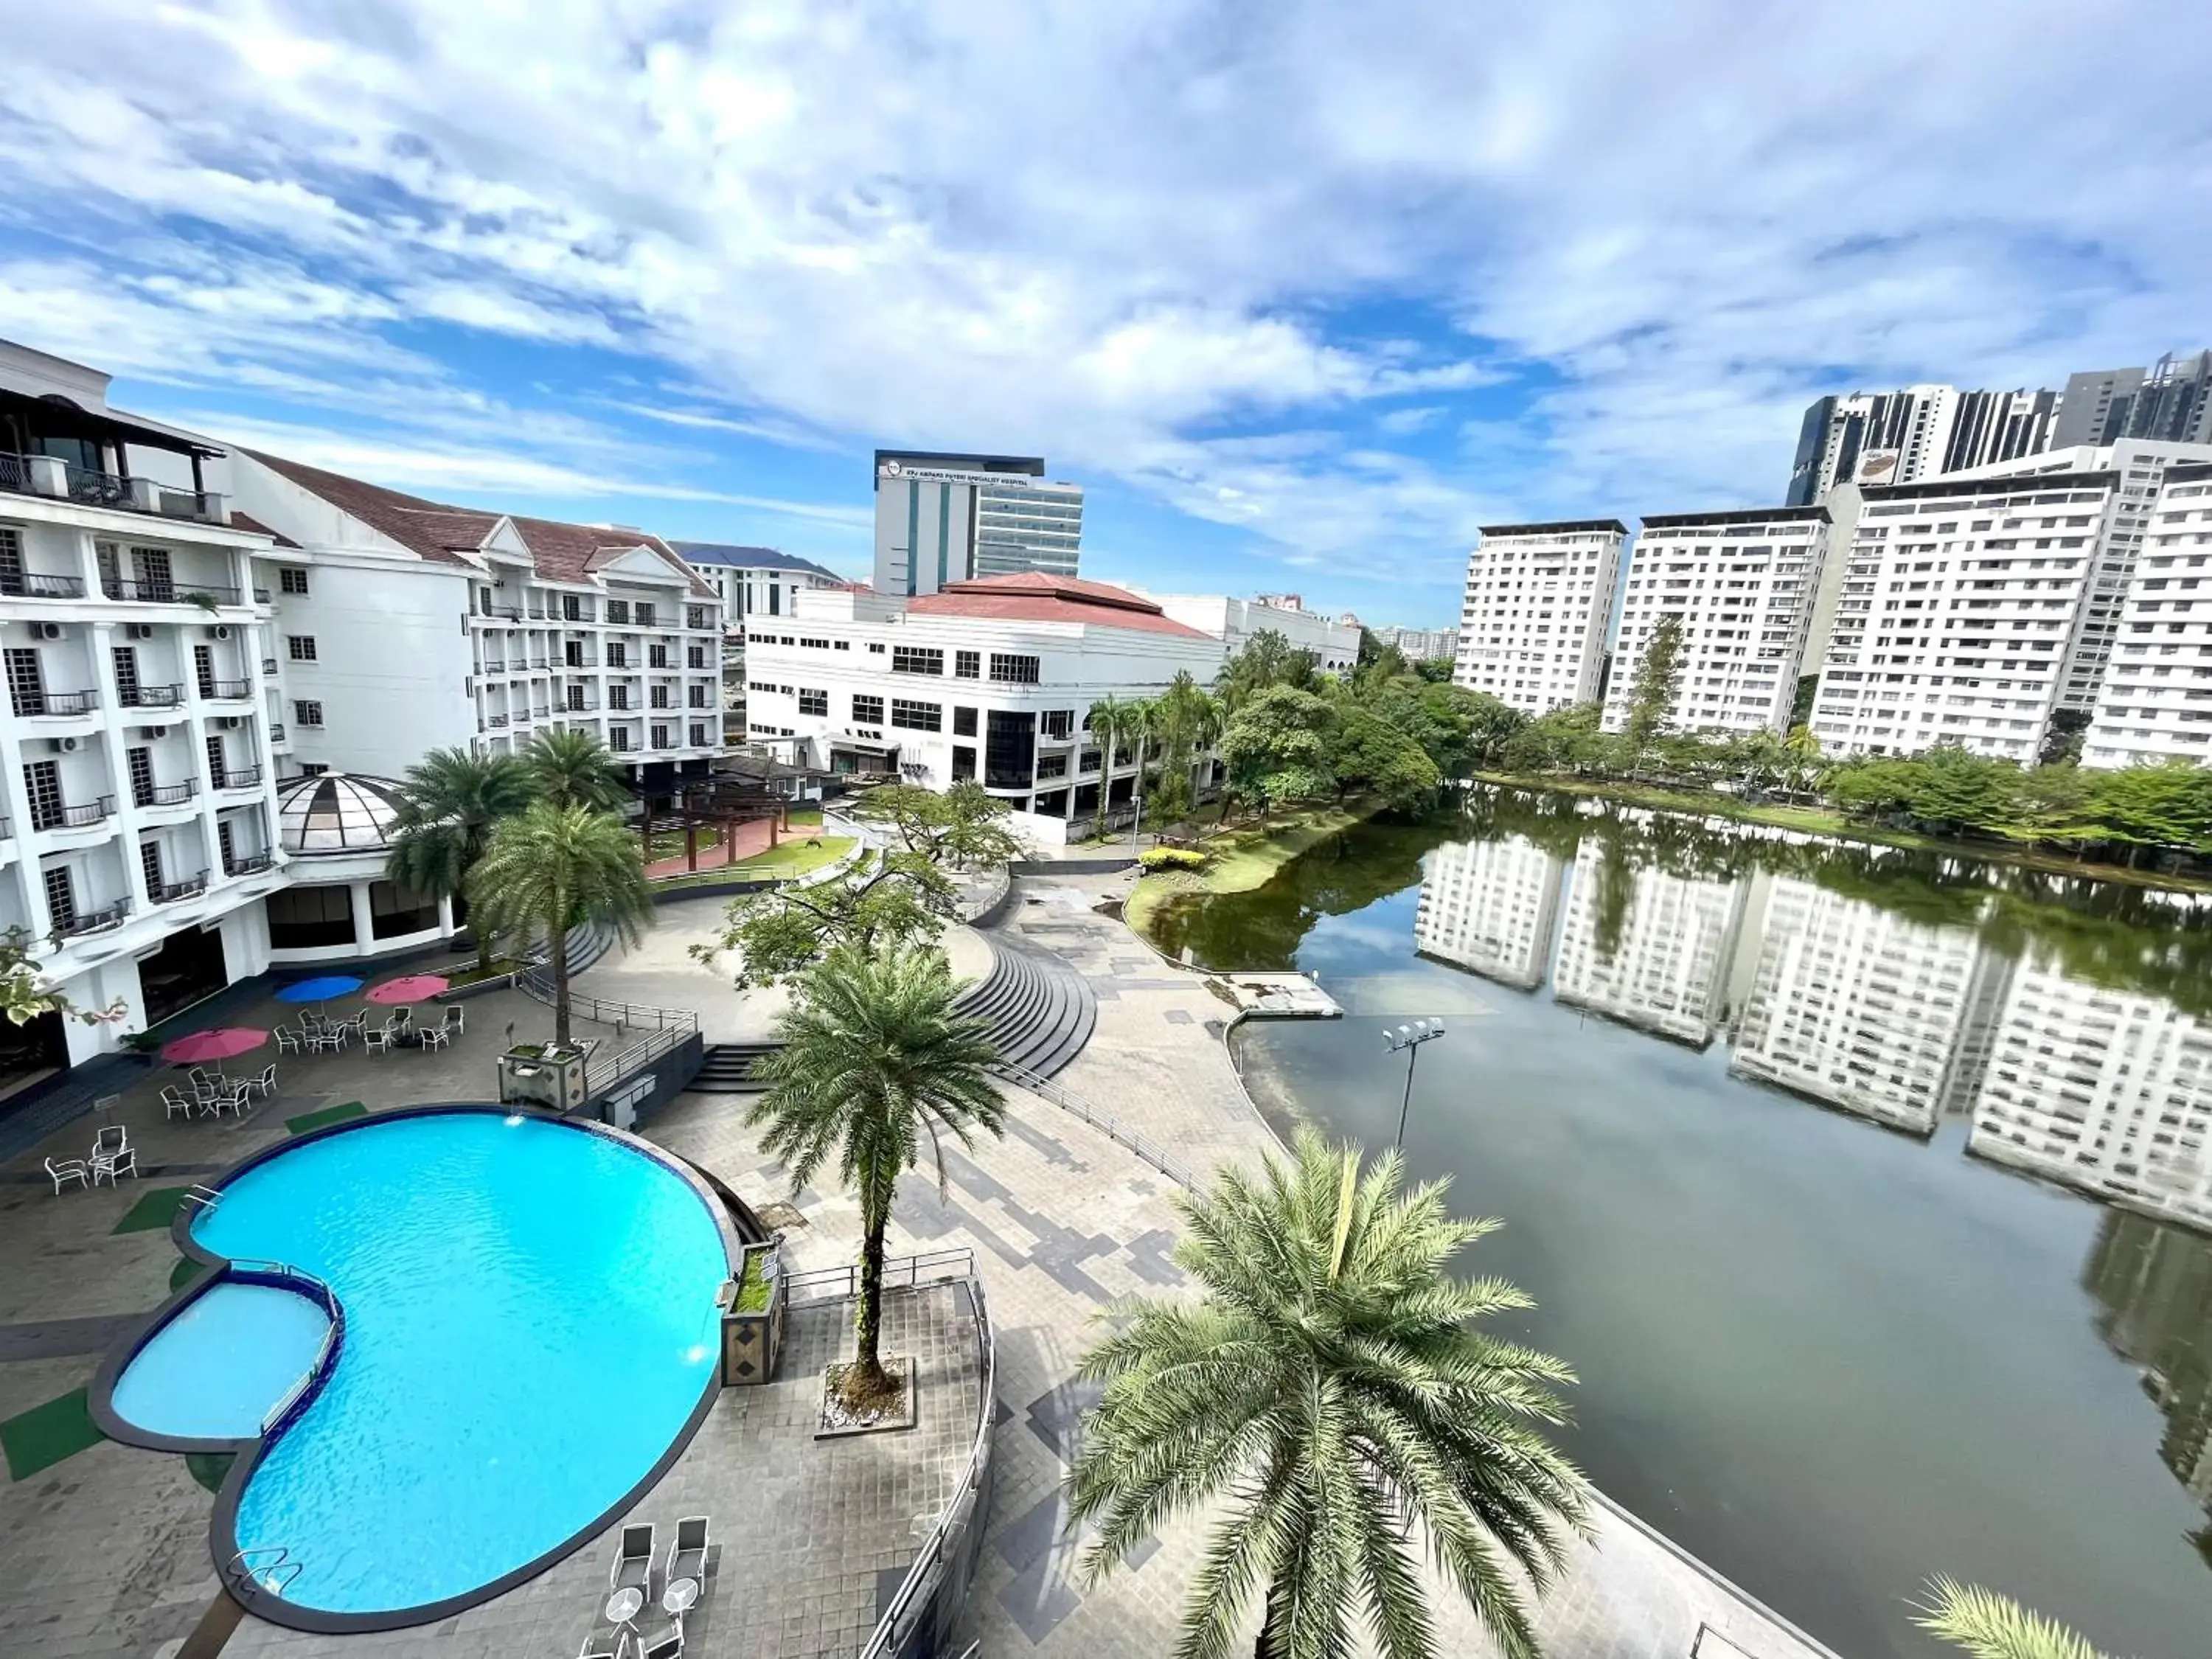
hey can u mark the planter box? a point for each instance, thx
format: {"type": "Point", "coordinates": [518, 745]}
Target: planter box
{"type": "Point", "coordinates": [479, 987]}
{"type": "Point", "coordinates": [551, 1078]}
{"type": "Point", "coordinates": [753, 1339]}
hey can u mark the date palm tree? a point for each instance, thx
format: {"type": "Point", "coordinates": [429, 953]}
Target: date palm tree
{"type": "Point", "coordinates": [875, 1063]}
{"type": "Point", "coordinates": [552, 868]}
{"type": "Point", "coordinates": [572, 767]}
{"type": "Point", "coordinates": [1327, 1388]}
{"type": "Point", "coordinates": [1992, 1627]}
{"type": "Point", "coordinates": [449, 802]}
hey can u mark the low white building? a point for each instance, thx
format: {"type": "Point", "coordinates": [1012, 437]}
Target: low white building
{"type": "Point", "coordinates": [1745, 586]}
{"type": "Point", "coordinates": [1538, 603]}
{"type": "Point", "coordinates": [2154, 702]}
{"type": "Point", "coordinates": [751, 581]}
{"type": "Point", "coordinates": [993, 679]}
{"type": "Point", "coordinates": [336, 904]}
{"type": "Point", "coordinates": [1335, 644]}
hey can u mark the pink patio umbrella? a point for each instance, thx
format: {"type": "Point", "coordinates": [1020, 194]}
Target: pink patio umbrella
{"type": "Point", "coordinates": [221, 1043]}
{"type": "Point", "coordinates": [408, 987]}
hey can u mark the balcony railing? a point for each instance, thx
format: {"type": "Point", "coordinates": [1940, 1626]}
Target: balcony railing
{"type": "Point", "coordinates": [56, 702]}
{"type": "Point", "coordinates": [249, 864]}
{"type": "Point", "coordinates": [166, 794]}
{"type": "Point", "coordinates": [585, 660]}
{"type": "Point", "coordinates": [93, 921]}
{"type": "Point", "coordinates": [37, 585]}
{"type": "Point", "coordinates": [170, 891]}
{"type": "Point", "coordinates": [150, 697]}
{"type": "Point", "coordinates": [47, 476]}
{"type": "Point", "coordinates": [542, 712]}
{"type": "Point", "coordinates": [141, 591]}
{"type": "Point", "coordinates": [496, 721]}
{"type": "Point", "coordinates": [240, 777]}
{"type": "Point", "coordinates": [72, 817]}
{"type": "Point", "coordinates": [261, 595]}
{"type": "Point", "coordinates": [588, 707]}
{"type": "Point", "coordinates": [226, 690]}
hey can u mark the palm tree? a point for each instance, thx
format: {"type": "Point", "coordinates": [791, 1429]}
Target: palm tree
{"type": "Point", "coordinates": [1992, 1627]}
{"type": "Point", "coordinates": [1140, 722]}
{"type": "Point", "coordinates": [556, 867]}
{"type": "Point", "coordinates": [875, 1060]}
{"type": "Point", "coordinates": [1104, 721]}
{"type": "Point", "coordinates": [449, 802]}
{"type": "Point", "coordinates": [570, 767]}
{"type": "Point", "coordinates": [1803, 750]}
{"type": "Point", "coordinates": [1327, 1387]}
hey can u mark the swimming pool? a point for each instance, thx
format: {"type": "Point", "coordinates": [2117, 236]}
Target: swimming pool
{"type": "Point", "coordinates": [530, 1329]}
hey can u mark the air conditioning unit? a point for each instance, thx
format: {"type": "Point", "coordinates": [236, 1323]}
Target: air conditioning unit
{"type": "Point", "coordinates": [156, 731]}
{"type": "Point", "coordinates": [139, 630]}
{"type": "Point", "coordinates": [64, 746]}
{"type": "Point", "coordinates": [231, 722]}
{"type": "Point", "coordinates": [220, 631]}
{"type": "Point", "coordinates": [46, 630]}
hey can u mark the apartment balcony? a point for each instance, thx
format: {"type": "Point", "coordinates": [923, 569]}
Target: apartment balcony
{"type": "Point", "coordinates": [37, 585]}
{"type": "Point", "coordinates": [261, 596]}
{"type": "Point", "coordinates": [496, 722]}
{"type": "Point", "coordinates": [542, 712]}
{"type": "Point", "coordinates": [50, 704]}
{"type": "Point", "coordinates": [277, 737]}
{"type": "Point", "coordinates": [57, 480]}
{"type": "Point", "coordinates": [170, 592]}
{"type": "Point", "coordinates": [227, 691]}
{"type": "Point", "coordinates": [240, 777]}
{"type": "Point", "coordinates": [151, 697]}
{"type": "Point", "coordinates": [250, 864]}
{"type": "Point", "coordinates": [166, 794]}
{"type": "Point", "coordinates": [589, 706]}
{"type": "Point", "coordinates": [93, 921]}
{"type": "Point", "coordinates": [585, 660]}
{"type": "Point", "coordinates": [73, 818]}
{"type": "Point", "coordinates": [170, 891]}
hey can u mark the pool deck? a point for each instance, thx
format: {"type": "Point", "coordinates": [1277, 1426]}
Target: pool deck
{"type": "Point", "coordinates": [104, 1551]}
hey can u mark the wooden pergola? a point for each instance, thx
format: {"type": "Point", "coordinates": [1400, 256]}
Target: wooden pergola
{"type": "Point", "coordinates": [713, 804]}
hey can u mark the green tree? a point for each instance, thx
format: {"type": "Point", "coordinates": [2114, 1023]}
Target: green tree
{"type": "Point", "coordinates": [1802, 762]}
{"type": "Point", "coordinates": [449, 803]}
{"type": "Point", "coordinates": [24, 993]}
{"type": "Point", "coordinates": [1277, 747]}
{"type": "Point", "coordinates": [552, 869]}
{"type": "Point", "coordinates": [1368, 754]}
{"type": "Point", "coordinates": [875, 1060]}
{"type": "Point", "coordinates": [1992, 1627]}
{"type": "Point", "coordinates": [1107, 720]}
{"type": "Point", "coordinates": [1437, 670]}
{"type": "Point", "coordinates": [570, 767]}
{"type": "Point", "coordinates": [905, 901]}
{"type": "Point", "coordinates": [962, 826]}
{"type": "Point", "coordinates": [1658, 677]}
{"type": "Point", "coordinates": [1262, 663]}
{"type": "Point", "coordinates": [1329, 1379]}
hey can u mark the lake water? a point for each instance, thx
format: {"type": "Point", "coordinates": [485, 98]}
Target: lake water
{"type": "Point", "coordinates": [1740, 1099]}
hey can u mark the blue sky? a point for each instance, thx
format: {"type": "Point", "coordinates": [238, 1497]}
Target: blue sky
{"type": "Point", "coordinates": [1303, 293]}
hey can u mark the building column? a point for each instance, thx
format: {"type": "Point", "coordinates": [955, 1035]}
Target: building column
{"type": "Point", "coordinates": [116, 742]}
{"type": "Point", "coordinates": [364, 923]}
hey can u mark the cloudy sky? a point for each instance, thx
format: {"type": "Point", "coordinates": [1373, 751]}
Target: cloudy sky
{"type": "Point", "coordinates": [1304, 292]}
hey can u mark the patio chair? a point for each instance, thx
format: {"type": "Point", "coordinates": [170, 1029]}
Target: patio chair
{"type": "Point", "coordinates": [330, 1037]}
{"type": "Point", "coordinates": [288, 1039]}
{"type": "Point", "coordinates": [667, 1646]}
{"type": "Point", "coordinates": [615, 1644]}
{"type": "Point", "coordinates": [456, 1022]}
{"type": "Point", "coordinates": [433, 1036]}
{"type": "Point", "coordinates": [240, 1099]}
{"type": "Point", "coordinates": [68, 1170]}
{"type": "Point", "coordinates": [123, 1160]}
{"type": "Point", "coordinates": [201, 1078]}
{"type": "Point", "coordinates": [378, 1041]}
{"type": "Point", "coordinates": [111, 1138]}
{"type": "Point", "coordinates": [686, 1552]}
{"type": "Point", "coordinates": [264, 1085]}
{"type": "Point", "coordinates": [633, 1563]}
{"type": "Point", "coordinates": [175, 1102]}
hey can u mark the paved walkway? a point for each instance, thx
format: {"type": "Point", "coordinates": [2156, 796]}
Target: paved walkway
{"type": "Point", "coordinates": [751, 837]}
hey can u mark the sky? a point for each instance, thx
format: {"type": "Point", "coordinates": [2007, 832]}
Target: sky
{"type": "Point", "coordinates": [1302, 292]}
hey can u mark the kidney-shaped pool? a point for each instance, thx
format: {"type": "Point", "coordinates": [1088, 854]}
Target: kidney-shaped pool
{"type": "Point", "coordinates": [530, 1332]}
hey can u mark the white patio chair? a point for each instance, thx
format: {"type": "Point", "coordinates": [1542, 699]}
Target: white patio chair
{"type": "Point", "coordinates": [456, 1020]}
{"type": "Point", "coordinates": [175, 1102]}
{"type": "Point", "coordinates": [326, 1038]}
{"type": "Point", "coordinates": [68, 1170]}
{"type": "Point", "coordinates": [433, 1036]}
{"type": "Point", "coordinates": [114, 1137]}
{"type": "Point", "coordinates": [377, 1042]}
{"type": "Point", "coordinates": [123, 1161]}
{"type": "Point", "coordinates": [288, 1039]}
{"type": "Point", "coordinates": [264, 1085]}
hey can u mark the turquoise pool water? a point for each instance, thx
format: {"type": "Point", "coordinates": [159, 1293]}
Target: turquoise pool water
{"type": "Point", "coordinates": [530, 1323]}
{"type": "Point", "coordinates": [213, 1371]}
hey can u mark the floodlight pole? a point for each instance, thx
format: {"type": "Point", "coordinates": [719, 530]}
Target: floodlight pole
{"type": "Point", "coordinates": [1410, 1038]}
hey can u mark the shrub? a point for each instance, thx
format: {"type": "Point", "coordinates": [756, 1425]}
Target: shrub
{"type": "Point", "coordinates": [1171, 858]}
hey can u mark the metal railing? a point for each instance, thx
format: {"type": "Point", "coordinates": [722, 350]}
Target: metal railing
{"type": "Point", "coordinates": [73, 818]}
{"type": "Point", "coordinates": [227, 691]}
{"type": "Point", "coordinates": [901, 1273]}
{"type": "Point", "coordinates": [170, 891]}
{"type": "Point", "coordinates": [251, 864]}
{"type": "Point", "coordinates": [495, 720]}
{"type": "Point", "coordinates": [151, 697]}
{"type": "Point", "coordinates": [238, 777]}
{"type": "Point", "coordinates": [28, 702]}
{"type": "Point", "coordinates": [601, 1075]}
{"type": "Point", "coordinates": [36, 585]}
{"type": "Point", "coordinates": [158, 591]}
{"type": "Point", "coordinates": [268, 666]}
{"type": "Point", "coordinates": [93, 921]}
{"type": "Point", "coordinates": [1143, 1145]}
{"type": "Point", "coordinates": [166, 794]}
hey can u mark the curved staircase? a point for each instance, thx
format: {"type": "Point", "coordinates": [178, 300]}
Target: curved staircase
{"type": "Point", "coordinates": [1040, 1011]}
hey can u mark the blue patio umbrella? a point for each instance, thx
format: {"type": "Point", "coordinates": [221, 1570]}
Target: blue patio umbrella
{"type": "Point", "coordinates": [320, 990]}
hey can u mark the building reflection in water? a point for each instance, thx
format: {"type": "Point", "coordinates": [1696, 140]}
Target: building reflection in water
{"type": "Point", "coordinates": [2153, 1287]}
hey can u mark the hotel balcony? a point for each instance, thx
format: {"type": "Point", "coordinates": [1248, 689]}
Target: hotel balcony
{"type": "Point", "coordinates": [250, 864]}
{"type": "Point", "coordinates": [93, 921]}
{"type": "Point", "coordinates": [60, 480]}
{"type": "Point", "coordinates": [151, 697]}
{"type": "Point", "coordinates": [170, 891]}
{"type": "Point", "coordinates": [72, 817]}
{"type": "Point", "coordinates": [240, 777]}
{"type": "Point", "coordinates": [37, 585]}
{"type": "Point", "coordinates": [168, 591]}
{"type": "Point", "coordinates": [227, 691]}
{"type": "Point", "coordinates": [37, 704]}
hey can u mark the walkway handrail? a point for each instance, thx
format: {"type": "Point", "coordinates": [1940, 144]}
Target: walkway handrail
{"type": "Point", "coordinates": [1143, 1145]}
{"type": "Point", "coordinates": [599, 1075]}
{"type": "Point", "coordinates": [901, 1273]}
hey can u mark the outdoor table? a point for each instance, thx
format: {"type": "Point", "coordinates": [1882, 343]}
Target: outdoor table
{"type": "Point", "coordinates": [680, 1597]}
{"type": "Point", "coordinates": [625, 1604]}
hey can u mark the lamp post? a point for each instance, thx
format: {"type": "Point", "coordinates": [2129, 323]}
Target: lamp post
{"type": "Point", "coordinates": [1410, 1038]}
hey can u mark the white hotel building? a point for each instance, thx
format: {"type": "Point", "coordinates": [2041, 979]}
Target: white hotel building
{"type": "Point", "coordinates": [1539, 604]}
{"type": "Point", "coordinates": [1746, 586]}
{"type": "Point", "coordinates": [1334, 643]}
{"type": "Point", "coordinates": [991, 679]}
{"type": "Point", "coordinates": [1490, 907]}
{"type": "Point", "coordinates": [2155, 702]}
{"type": "Point", "coordinates": [2105, 1089]}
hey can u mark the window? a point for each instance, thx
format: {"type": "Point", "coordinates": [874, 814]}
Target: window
{"type": "Point", "coordinates": [813, 703]}
{"type": "Point", "coordinates": [42, 781]}
{"type": "Point", "coordinates": [697, 697]}
{"type": "Point", "coordinates": [967, 665]}
{"type": "Point", "coordinates": [575, 701]}
{"type": "Point", "coordinates": [308, 712]}
{"type": "Point", "coordinates": [139, 763]}
{"type": "Point", "coordinates": [694, 656]}
{"type": "Point", "coordinates": [218, 768]}
{"type": "Point", "coordinates": [876, 647]}
{"type": "Point", "coordinates": [572, 608]}
{"type": "Point", "coordinates": [301, 918]}
{"type": "Point", "coordinates": [1056, 722]}
{"type": "Point", "coordinates": [964, 722]}
{"type": "Point", "coordinates": [656, 656]}
{"type": "Point", "coordinates": [646, 614]}
{"type": "Point", "coordinates": [394, 910]}
{"type": "Point", "coordinates": [292, 580]}
{"type": "Point", "coordinates": [618, 697]}
{"type": "Point", "coordinates": [1051, 766]}
{"type": "Point", "coordinates": [660, 738]}
{"type": "Point", "coordinates": [696, 616]}
{"type": "Point", "coordinates": [313, 768]}
{"type": "Point", "coordinates": [867, 711]}
{"type": "Point", "coordinates": [618, 740]}
{"type": "Point", "coordinates": [964, 762]}
{"type": "Point", "coordinates": [910, 716]}
{"type": "Point", "coordinates": [301, 646]}
{"type": "Point", "coordinates": [618, 610]}
{"type": "Point", "coordinates": [617, 656]}
{"type": "Point", "coordinates": [1014, 670]}
{"type": "Point", "coordinates": [660, 697]}
{"type": "Point", "coordinates": [698, 735]}
{"type": "Point", "coordinates": [917, 660]}
{"type": "Point", "coordinates": [61, 896]}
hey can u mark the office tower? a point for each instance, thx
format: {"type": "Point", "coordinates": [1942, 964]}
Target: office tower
{"type": "Point", "coordinates": [1897, 437]}
{"type": "Point", "coordinates": [1646, 948]}
{"type": "Point", "coordinates": [944, 518]}
{"type": "Point", "coordinates": [2155, 700]}
{"type": "Point", "coordinates": [1858, 1006]}
{"type": "Point", "coordinates": [2170, 402]}
{"type": "Point", "coordinates": [1489, 906]}
{"type": "Point", "coordinates": [1538, 602]}
{"type": "Point", "coordinates": [1746, 587]}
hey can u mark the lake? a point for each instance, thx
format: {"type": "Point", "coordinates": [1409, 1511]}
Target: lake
{"type": "Point", "coordinates": [1861, 1187]}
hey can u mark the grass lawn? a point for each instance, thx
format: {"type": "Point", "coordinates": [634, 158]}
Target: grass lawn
{"type": "Point", "coordinates": [308, 1122]}
{"type": "Point", "coordinates": [471, 974]}
{"type": "Point", "coordinates": [43, 1436]}
{"type": "Point", "coordinates": [156, 1207]}
{"type": "Point", "coordinates": [805, 818]}
{"type": "Point", "coordinates": [669, 844]}
{"type": "Point", "coordinates": [1245, 855]}
{"type": "Point", "coordinates": [792, 857]}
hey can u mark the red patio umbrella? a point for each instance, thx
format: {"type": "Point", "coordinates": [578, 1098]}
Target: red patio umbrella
{"type": "Point", "coordinates": [221, 1043]}
{"type": "Point", "coordinates": [408, 987]}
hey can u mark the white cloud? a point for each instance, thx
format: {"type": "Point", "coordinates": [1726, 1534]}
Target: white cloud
{"type": "Point", "coordinates": [1114, 234]}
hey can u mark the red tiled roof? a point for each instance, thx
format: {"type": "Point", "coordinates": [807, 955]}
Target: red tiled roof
{"type": "Point", "coordinates": [560, 551]}
{"type": "Point", "coordinates": [1033, 596]}
{"type": "Point", "coordinates": [247, 521]}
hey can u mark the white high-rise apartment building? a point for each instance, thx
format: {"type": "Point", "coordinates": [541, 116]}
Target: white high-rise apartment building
{"type": "Point", "coordinates": [943, 517]}
{"type": "Point", "coordinates": [1539, 604]}
{"type": "Point", "coordinates": [1421, 644]}
{"type": "Point", "coordinates": [2109, 1091]}
{"type": "Point", "coordinates": [1961, 614]}
{"type": "Point", "coordinates": [751, 581]}
{"type": "Point", "coordinates": [1746, 586]}
{"type": "Point", "coordinates": [2155, 702]}
{"type": "Point", "coordinates": [137, 775]}
{"type": "Point", "coordinates": [1668, 972]}
{"type": "Point", "coordinates": [1901, 437]}
{"type": "Point", "coordinates": [1490, 907]}
{"type": "Point", "coordinates": [1857, 1006]}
